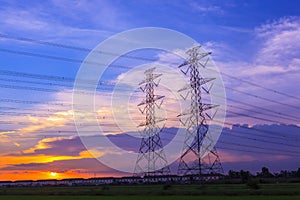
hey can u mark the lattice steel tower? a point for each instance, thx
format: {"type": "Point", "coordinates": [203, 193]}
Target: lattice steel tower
{"type": "Point", "coordinates": [194, 119]}
{"type": "Point", "coordinates": [151, 159]}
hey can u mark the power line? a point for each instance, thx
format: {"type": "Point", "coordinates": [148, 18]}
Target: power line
{"type": "Point", "coordinates": [52, 78]}
{"type": "Point", "coordinates": [38, 114]}
{"type": "Point", "coordinates": [124, 67]}
{"type": "Point", "coordinates": [262, 108]}
{"type": "Point", "coordinates": [109, 84]}
{"type": "Point", "coordinates": [52, 90]}
{"type": "Point", "coordinates": [98, 86]}
{"type": "Point", "coordinates": [263, 98]}
{"type": "Point", "coordinates": [227, 123]}
{"type": "Point", "coordinates": [260, 140]}
{"type": "Point", "coordinates": [26, 39]}
{"type": "Point", "coordinates": [249, 138]}
{"type": "Point", "coordinates": [242, 92]}
{"type": "Point", "coordinates": [282, 152]}
{"type": "Point", "coordinates": [270, 133]}
{"type": "Point", "coordinates": [261, 113]}
{"type": "Point", "coordinates": [260, 86]}
{"type": "Point", "coordinates": [23, 39]}
{"type": "Point", "coordinates": [259, 147]}
{"type": "Point", "coordinates": [251, 151]}
{"type": "Point", "coordinates": [258, 107]}
{"type": "Point", "coordinates": [58, 58]}
{"type": "Point", "coordinates": [253, 117]}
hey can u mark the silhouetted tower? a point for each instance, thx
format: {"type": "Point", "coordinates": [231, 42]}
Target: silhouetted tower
{"type": "Point", "coordinates": [151, 159]}
{"type": "Point", "coordinates": [192, 160]}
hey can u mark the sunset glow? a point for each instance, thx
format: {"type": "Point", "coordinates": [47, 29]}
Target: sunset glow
{"type": "Point", "coordinates": [45, 129]}
{"type": "Point", "coordinates": [53, 174]}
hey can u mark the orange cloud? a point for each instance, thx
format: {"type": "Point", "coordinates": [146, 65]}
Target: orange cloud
{"type": "Point", "coordinates": [43, 144]}
{"type": "Point", "coordinates": [227, 157]}
{"type": "Point", "coordinates": [31, 155]}
{"type": "Point", "coordinates": [40, 158]}
{"type": "Point", "coordinates": [58, 119]}
{"type": "Point", "coordinates": [38, 175]}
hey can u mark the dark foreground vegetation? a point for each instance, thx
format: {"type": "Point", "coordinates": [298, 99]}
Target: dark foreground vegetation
{"type": "Point", "coordinates": [149, 197]}
{"type": "Point", "coordinates": [284, 185]}
{"type": "Point", "coordinates": [291, 189]}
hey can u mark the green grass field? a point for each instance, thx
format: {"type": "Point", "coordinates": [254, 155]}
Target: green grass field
{"type": "Point", "coordinates": [150, 197]}
{"type": "Point", "coordinates": [280, 191]}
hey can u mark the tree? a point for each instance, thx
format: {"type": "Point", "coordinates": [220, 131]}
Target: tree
{"type": "Point", "coordinates": [233, 174]}
{"type": "Point", "coordinates": [265, 173]}
{"type": "Point", "coordinates": [245, 176]}
{"type": "Point", "coordinates": [298, 173]}
{"type": "Point", "coordinates": [284, 173]}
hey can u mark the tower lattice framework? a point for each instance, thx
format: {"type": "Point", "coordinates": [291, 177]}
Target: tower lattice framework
{"type": "Point", "coordinates": [193, 161]}
{"type": "Point", "coordinates": [151, 159]}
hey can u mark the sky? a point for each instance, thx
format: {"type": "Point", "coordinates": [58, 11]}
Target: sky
{"type": "Point", "coordinates": [255, 45]}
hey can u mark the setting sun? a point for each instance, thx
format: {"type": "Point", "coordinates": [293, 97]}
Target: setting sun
{"type": "Point", "coordinates": [53, 174]}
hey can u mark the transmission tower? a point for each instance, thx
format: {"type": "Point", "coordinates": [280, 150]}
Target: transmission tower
{"type": "Point", "coordinates": [151, 159]}
{"type": "Point", "coordinates": [192, 160]}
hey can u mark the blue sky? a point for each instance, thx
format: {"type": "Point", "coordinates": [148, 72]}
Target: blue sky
{"type": "Point", "coordinates": [257, 41]}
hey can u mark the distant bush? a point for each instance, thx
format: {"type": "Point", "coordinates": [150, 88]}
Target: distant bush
{"type": "Point", "coordinates": [167, 186]}
{"type": "Point", "coordinates": [105, 187]}
{"type": "Point", "coordinates": [253, 184]}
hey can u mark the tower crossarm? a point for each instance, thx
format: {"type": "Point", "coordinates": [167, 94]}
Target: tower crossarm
{"type": "Point", "coordinates": [201, 82]}
{"type": "Point", "coordinates": [155, 98]}
{"type": "Point", "coordinates": [204, 107]}
{"type": "Point", "coordinates": [156, 121]}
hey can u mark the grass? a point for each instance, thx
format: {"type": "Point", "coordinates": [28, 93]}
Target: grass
{"type": "Point", "coordinates": [145, 192]}
{"type": "Point", "coordinates": [149, 197]}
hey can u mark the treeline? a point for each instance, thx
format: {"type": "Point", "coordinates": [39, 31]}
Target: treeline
{"type": "Point", "coordinates": [264, 176]}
